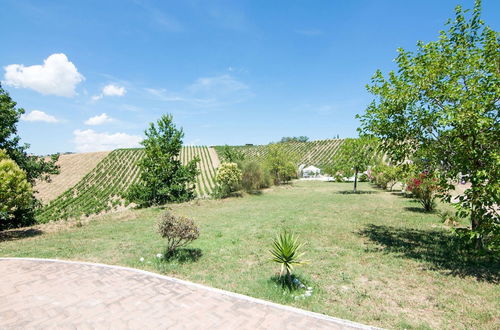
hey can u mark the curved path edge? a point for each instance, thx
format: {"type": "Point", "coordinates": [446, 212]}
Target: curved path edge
{"type": "Point", "coordinates": [336, 322]}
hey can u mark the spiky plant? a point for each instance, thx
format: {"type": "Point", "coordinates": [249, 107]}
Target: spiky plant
{"type": "Point", "coordinates": [286, 252]}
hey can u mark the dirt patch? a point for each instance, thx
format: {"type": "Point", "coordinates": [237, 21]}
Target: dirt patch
{"type": "Point", "coordinates": [73, 168]}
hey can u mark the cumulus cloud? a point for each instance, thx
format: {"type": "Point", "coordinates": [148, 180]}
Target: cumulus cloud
{"type": "Point", "coordinates": [89, 140]}
{"type": "Point", "coordinates": [37, 115]}
{"type": "Point", "coordinates": [56, 76]}
{"type": "Point", "coordinates": [99, 120]}
{"type": "Point", "coordinates": [110, 90]}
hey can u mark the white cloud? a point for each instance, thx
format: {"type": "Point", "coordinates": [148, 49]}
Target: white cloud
{"type": "Point", "coordinates": [56, 76]}
{"type": "Point", "coordinates": [98, 120]}
{"type": "Point", "coordinates": [113, 90]}
{"type": "Point", "coordinates": [207, 92]}
{"type": "Point", "coordinates": [37, 115]}
{"type": "Point", "coordinates": [110, 90]}
{"type": "Point", "coordinates": [89, 140]}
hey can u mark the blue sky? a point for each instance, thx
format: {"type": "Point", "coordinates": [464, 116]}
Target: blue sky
{"type": "Point", "coordinates": [92, 74]}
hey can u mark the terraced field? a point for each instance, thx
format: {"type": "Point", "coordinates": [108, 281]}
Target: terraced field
{"type": "Point", "coordinates": [319, 153]}
{"type": "Point", "coordinates": [101, 189]}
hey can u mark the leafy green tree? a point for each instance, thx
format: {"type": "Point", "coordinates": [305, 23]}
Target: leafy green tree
{"type": "Point", "coordinates": [281, 163]}
{"type": "Point", "coordinates": [163, 178]}
{"type": "Point", "coordinates": [34, 166]}
{"type": "Point", "coordinates": [16, 193]}
{"type": "Point", "coordinates": [353, 157]}
{"type": "Point", "coordinates": [286, 139]}
{"type": "Point", "coordinates": [231, 155]}
{"type": "Point", "coordinates": [442, 107]}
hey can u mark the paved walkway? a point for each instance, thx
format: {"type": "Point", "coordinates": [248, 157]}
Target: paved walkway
{"type": "Point", "coordinates": [37, 293]}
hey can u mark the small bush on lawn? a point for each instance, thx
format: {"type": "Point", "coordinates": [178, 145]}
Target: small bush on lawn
{"type": "Point", "coordinates": [228, 180]}
{"type": "Point", "coordinates": [254, 176]}
{"type": "Point", "coordinates": [286, 252]}
{"type": "Point", "coordinates": [178, 231]}
{"type": "Point", "coordinates": [424, 188]}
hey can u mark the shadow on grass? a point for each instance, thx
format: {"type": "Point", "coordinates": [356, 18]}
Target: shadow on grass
{"type": "Point", "coordinates": [359, 192]}
{"type": "Point", "coordinates": [284, 283]}
{"type": "Point", "coordinates": [184, 255]}
{"type": "Point", "coordinates": [438, 248]}
{"type": "Point", "coordinates": [16, 234]}
{"type": "Point", "coordinates": [419, 210]}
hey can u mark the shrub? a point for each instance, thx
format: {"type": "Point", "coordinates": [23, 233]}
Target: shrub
{"type": "Point", "coordinates": [281, 163]}
{"type": "Point", "coordinates": [424, 188]}
{"type": "Point", "coordinates": [363, 177]}
{"type": "Point", "coordinates": [228, 180]}
{"type": "Point", "coordinates": [285, 251]}
{"type": "Point", "coordinates": [16, 195]}
{"type": "Point", "coordinates": [178, 231]}
{"type": "Point", "coordinates": [254, 176]}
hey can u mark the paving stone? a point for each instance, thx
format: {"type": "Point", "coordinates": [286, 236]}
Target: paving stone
{"type": "Point", "coordinates": [65, 295]}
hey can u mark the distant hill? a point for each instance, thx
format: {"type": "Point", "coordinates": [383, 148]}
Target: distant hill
{"type": "Point", "coordinates": [319, 153]}
{"type": "Point", "coordinates": [101, 188]}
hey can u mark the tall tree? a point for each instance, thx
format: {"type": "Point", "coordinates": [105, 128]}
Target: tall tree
{"type": "Point", "coordinates": [34, 166]}
{"type": "Point", "coordinates": [353, 157]}
{"type": "Point", "coordinates": [443, 106]}
{"type": "Point", "coordinates": [163, 178]}
{"type": "Point", "coordinates": [281, 163]}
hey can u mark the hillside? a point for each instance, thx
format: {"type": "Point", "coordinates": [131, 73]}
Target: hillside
{"type": "Point", "coordinates": [101, 189]}
{"type": "Point", "coordinates": [73, 168]}
{"type": "Point", "coordinates": [319, 153]}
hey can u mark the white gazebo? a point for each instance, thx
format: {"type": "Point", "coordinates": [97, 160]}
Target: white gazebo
{"type": "Point", "coordinates": [310, 172]}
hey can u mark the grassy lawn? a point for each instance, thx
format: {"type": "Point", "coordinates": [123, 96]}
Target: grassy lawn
{"type": "Point", "coordinates": [372, 257]}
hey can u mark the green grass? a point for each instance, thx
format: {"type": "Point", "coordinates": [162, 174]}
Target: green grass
{"type": "Point", "coordinates": [372, 257]}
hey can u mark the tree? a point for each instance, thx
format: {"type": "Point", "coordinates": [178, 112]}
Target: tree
{"type": "Point", "coordinates": [281, 163]}
{"type": "Point", "coordinates": [16, 193]}
{"type": "Point", "coordinates": [231, 155]}
{"type": "Point", "coordinates": [35, 167]}
{"type": "Point", "coordinates": [353, 157]}
{"type": "Point", "coordinates": [163, 178]}
{"type": "Point", "coordinates": [286, 139]}
{"type": "Point", "coordinates": [443, 108]}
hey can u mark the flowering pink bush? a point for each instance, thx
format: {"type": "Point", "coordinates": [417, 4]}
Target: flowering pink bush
{"type": "Point", "coordinates": [424, 188]}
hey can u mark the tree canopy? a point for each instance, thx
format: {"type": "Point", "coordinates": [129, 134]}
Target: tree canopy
{"type": "Point", "coordinates": [163, 178]}
{"type": "Point", "coordinates": [353, 157]}
{"type": "Point", "coordinates": [442, 107]}
{"type": "Point", "coordinates": [34, 166]}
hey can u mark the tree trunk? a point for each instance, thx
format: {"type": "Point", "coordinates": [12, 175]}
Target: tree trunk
{"type": "Point", "coordinates": [355, 179]}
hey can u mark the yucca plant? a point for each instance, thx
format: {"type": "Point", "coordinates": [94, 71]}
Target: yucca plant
{"type": "Point", "coordinates": [286, 252]}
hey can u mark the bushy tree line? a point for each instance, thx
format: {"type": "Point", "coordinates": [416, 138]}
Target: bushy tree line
{"type": "Point", "coordinates": [442, 108]}
{"type": "Point", "coordinates": [18, 170]}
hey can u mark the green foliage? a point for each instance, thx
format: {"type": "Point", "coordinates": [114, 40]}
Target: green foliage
{"type": "Point", "coordinates": [287, 139]}
{"type": "Point", "coordinates": [35, 167]}
{"type": "Point", "coordinates": [16, 194]}
{"type": "Point", "coordinates": [178, 231]}
{"type": "Point", "coordinates": [442, 107]}
{"type": "Point", "coordinates": [281, 163]}
{"type": "Point", "coordinates": [229, 154]}
{"type": "Point", "coordinates": [424, 187]}
{"type": "Point", "coordinates": [354, 156]}
{"type": "Point", "coordinates": [254, 176]}
{"type": "Point", "coordinates": [228, 180]}
{"type": "Point", "coordinates": [163, 178]}
{"type": "Point", "coordinates": [286, 252]}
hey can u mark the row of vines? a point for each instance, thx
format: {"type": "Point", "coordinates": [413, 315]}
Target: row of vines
{"type": "Point", "coordinates": [102, 189]}
{"type": "Point", "coordinates": [319, 153]}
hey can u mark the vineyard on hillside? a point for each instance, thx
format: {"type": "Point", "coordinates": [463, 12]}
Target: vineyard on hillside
{"type": "Point", "coordinates": [101, 190]}
{"type": "Point", "coordinates": [319, 153]}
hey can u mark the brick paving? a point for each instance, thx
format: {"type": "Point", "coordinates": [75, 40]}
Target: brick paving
{"type": "Point", "coordinates": [37, 293]}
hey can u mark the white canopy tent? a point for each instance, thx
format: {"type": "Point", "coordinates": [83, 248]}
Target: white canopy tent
{"type": "Point", "coordinates": [310, 171]}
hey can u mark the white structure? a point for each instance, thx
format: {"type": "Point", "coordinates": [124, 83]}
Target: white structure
{"type": "Point", "coordinates": [310, 172]}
